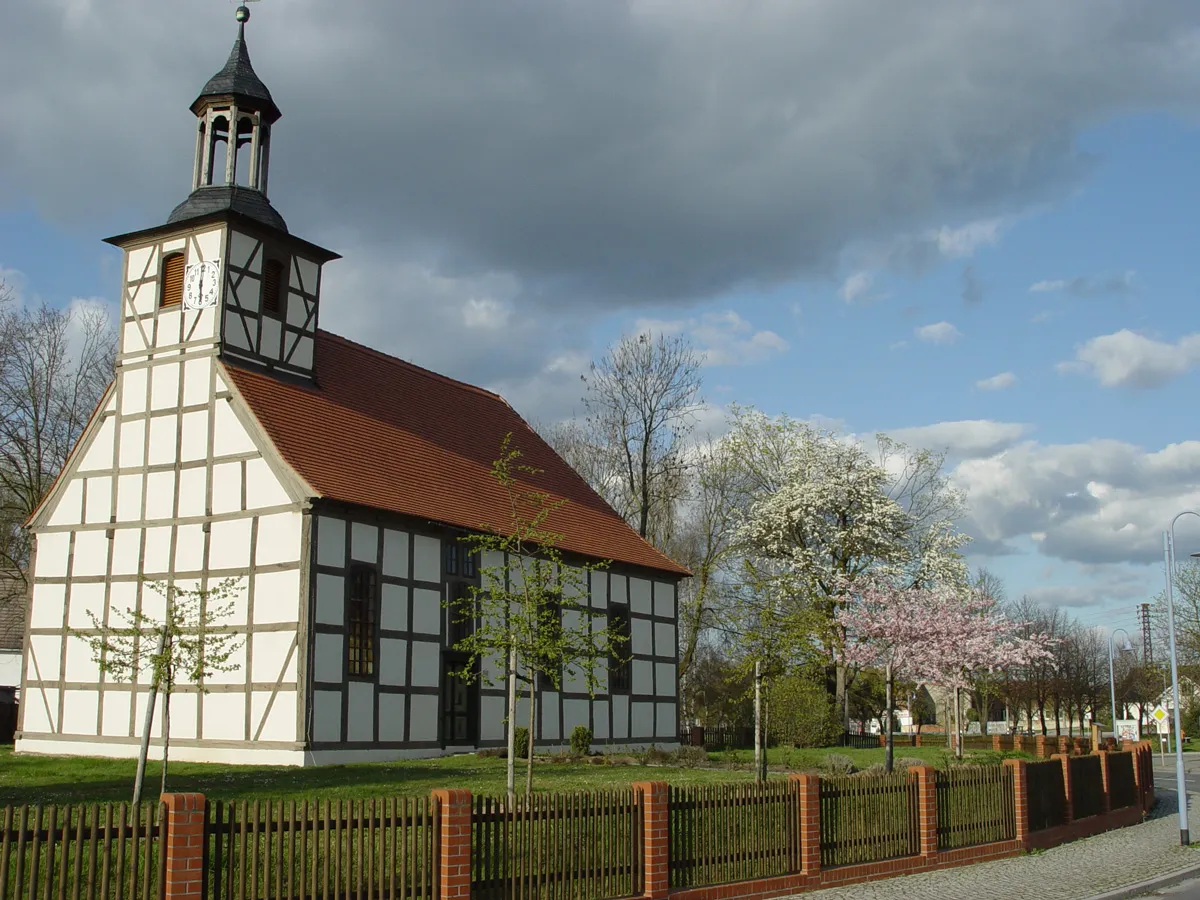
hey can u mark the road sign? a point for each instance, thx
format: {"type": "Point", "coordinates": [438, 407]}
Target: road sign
{"type": "Point", "coordinates": [1159, 714]}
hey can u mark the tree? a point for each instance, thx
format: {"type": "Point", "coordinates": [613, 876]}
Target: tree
{"type": "Point", "coordinates": [640, 402]}
{"type": "Point", "coordinates": [189, 646]}
{"type": "Point", "coordinates": [55, 365]}
{"type": "Point", "coordinates": [530, 609]}
{"type": "Point", "coordinates": [1186, 596]}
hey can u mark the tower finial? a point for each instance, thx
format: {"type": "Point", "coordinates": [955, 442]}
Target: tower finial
{"type": "Point", "coordinates": [243, 14]}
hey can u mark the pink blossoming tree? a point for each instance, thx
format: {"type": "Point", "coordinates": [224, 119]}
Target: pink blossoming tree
{"type": "Point", "coordinates": [938, 635]}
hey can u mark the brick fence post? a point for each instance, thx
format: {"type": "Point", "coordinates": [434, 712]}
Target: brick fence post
{"type": "Point", "coordinates": [808, 799]}
{"type": "Point", "coordinates": [1067, 786]}
{"type": "Point", "coordinates": [656, 849]}
{"type": "Point", "coordinates": [454, 838]}
{"type": "Point", "coordinates": [1107, 805]}
{"type": "Point", "coordinates": [1020, 778]}
{"type": "Point", "coordinates": [185, 845]}
{"type": "Point", "coordinates": [996, 742]}
{"type": "Point", "coordinates": [927, 819]}
{"type": "Point", "coordinates": [1017, 741]}
{"type": "Point", "coordinates": [1039, 746]}
{"type": "Point", "coordinates": [917, 739]}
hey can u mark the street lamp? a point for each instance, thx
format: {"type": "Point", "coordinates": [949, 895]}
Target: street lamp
{"type": "Point", "coordinates": [1112, 682]}
{"type": "Point", "coordinates": [1180, 781]}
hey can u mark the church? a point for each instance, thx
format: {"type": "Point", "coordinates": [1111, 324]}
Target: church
{"type": "Point", "coordinates": [239, 440]}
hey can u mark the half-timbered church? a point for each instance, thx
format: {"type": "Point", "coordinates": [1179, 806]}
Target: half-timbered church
{"type": "Point", "coordinates": [240, 440]}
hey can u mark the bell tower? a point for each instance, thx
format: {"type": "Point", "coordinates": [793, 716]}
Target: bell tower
{"type": "Point", "coordinates": [223, 274]}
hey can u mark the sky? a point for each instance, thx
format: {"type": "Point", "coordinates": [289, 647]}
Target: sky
{"type": "Point", "coordinates": [964, 223]}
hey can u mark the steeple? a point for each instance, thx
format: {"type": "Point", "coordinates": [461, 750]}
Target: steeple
{"type": "Point", "coordinates": [231, 172]}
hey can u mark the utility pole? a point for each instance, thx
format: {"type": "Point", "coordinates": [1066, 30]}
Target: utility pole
{"type": "Point", "coordinates": [1147, 644]}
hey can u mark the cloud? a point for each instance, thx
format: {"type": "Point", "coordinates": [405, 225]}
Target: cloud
{"type": "Point", "coordinates": [938, 333]}
{"type": "Point", "coordinates": [1101, 501]}
{"type": "Point", "coordinates": [967, 439]}
{"type": "Point", "coordinates": [613, 154]}
{"type": "Point", "coordinates": [1131, 360]}
{"type": "Point", "coordinates": [972, 287]}
{"type": "Point", "coordinates": [725, 338]}
{"type": "Point", "coordinates": [856, 286]}
{"type": "Point", "coordinates": [1088, 285]}
{"type": "Point", "coordinates": [997, 382]}
{"type": "Point", "coordinates": [1116, 586]}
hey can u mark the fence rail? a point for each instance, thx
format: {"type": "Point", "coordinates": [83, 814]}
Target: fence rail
{"type": "Point", "coordinates": [558, 846]}
{"type": "Point", "coordinates": [732, 832]}
{"type": "Point", "coordinates": [1045, 795]}
{"type": "Point", "coordinates": [867, 819]}
{"type": "Point", "coordinates": [975, 805]}
{"type": "Point", "coordinates": [353, 848]}
{"type": "Point", "coordinates": [98, 852]}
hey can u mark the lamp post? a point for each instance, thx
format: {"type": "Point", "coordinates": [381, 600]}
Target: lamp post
{"type": "Point", "coordinates": [1112, 681]}
{"type": "Point", "coordinates": [1180, 781]}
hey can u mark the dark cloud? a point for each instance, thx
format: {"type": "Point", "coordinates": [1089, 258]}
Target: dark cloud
{"type": "Point", "coordinates": [598, 153]}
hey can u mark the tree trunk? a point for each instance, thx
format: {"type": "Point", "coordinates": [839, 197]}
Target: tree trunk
{"type": "Point", "coordinates": [757, 720]}
{"type": "Point", "coordinates": [166, 737]}
{"type": "Point", "coordinates": [890, 741]}
{"type": "Point", "coordinates": [510, 773]}
{"type": "Point", "coordinates": [529, 751]}
{"type": "Point", "coordinates": [842, 696]}
{"type": "Point", "coordinates": [958, 735]}
{"type": "Point", "coordinates": [139, 778]}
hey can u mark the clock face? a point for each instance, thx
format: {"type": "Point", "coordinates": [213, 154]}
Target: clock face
{"type": "Point", "coordinates": [200, 284]}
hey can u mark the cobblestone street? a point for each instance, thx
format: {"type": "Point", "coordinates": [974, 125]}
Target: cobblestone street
{"type": "Point", "coordinates": [1071, 872]}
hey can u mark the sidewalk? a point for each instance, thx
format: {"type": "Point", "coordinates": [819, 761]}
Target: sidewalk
{"type": "Point", "coordinates": [1073, 871]}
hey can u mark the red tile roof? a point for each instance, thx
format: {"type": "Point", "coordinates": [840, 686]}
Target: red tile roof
{"type": "Point", "coordinates": [383, 433]}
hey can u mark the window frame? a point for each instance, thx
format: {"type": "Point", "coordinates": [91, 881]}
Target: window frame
{"type": "Point", "coordinates": [544, 682]}
{"type": "Point", "coordinates": [357, 627]}
{"type": "Point", "coordinates": [177, 302]}
{"type": "Point", "coordinates": [620, 667]}
{"type": "Point", "coordinates": [281, 290]}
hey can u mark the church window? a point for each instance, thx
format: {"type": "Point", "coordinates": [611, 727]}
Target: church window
{"type": "Point", "coordinates": [362, 621]}
{"type": "Point", "coordinates": [618, 661]}
{"type": "Point", "coordinates": [272, 287]}
{"type": "Point", "coordinates": [171, 292]}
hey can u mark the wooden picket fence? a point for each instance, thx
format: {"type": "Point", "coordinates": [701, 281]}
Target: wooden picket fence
{"type": "Point", "coordinates": [730, 832]}
{"type": "Point", "coordinates": [868, 818]}
{"type": "Point", "coordinates": [1122, 787]}
{"type": "Point", "coordinates": [1087, 786]}
{"type": "Point", "coordinates": [557, 846]}
{"type": "Point", "coordinates": [83, 852]}
{"type": "Point", "coordinates": [975, 805]}
{"type": "Point", "coordinates": [308, 850]}
{"type": "Point", "coordinates": [1045, 795]}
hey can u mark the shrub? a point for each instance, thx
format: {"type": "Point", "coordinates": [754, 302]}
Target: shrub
{"type": "Point", "coordinates": [521, 742]}
{"type": "Point", "coordinates": [690, 757]}
{"type": "Point", "coordinates": [838, 764]}
{"type": "Point", "coordinates": [807, 715]}
{"type": "Point", "coordinates": [653, 755]}
{"type": "Point", "coordinates": [581, 740]}
{"type": "Point", "coordinates": [907, 762]}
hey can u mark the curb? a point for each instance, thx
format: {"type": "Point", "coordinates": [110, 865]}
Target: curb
{"type": "Point", "coordinates": [1152, 884]}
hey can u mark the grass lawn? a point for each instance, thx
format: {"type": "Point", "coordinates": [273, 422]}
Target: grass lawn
{"type": "Point", "coordinates": [50, 779]}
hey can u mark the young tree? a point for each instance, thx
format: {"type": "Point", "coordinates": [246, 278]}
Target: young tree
{"type": "Point", "coordinates": [531, 608]}
{"type": "Point", "coordinates": [187, 645]}
{"type": "Point", "coordinates": [55, 365]}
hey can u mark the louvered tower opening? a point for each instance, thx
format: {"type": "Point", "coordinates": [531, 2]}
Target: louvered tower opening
{"type": "Point", "coordinates": [172, 280]}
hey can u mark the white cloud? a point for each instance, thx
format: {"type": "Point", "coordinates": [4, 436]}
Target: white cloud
{"type": "Point", "coordinates": [1103, 501]}
{"type": "Point", "coordinates": [938, 333]}
{"type": "Point", "coordinates": [897, 345]}
{"type": "Point", "coordinates": [485, 312]}
{"type": "Point", "coordinates": [1088, 285]}
{"type": "Point", "coordinates": [997, 382]}
{"type": "Point", "coordinates": [966, 439]}
{"type": "Point", "coordinates": [954, 243]}
{"type": "Point", "coordinates": [1131, 360]}
{"type": "Point", "coordinates": [856, 286]}
{"type": "Point", "coordinates": [725, 338]}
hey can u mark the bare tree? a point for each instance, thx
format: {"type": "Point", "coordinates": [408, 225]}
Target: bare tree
{"type": "Point", "coordinates": [640, 400]}
{"type": "Point", "coordinates": [55, 365]}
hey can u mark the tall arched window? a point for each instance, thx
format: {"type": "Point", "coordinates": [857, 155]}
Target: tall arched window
{"type": "Point", "coordinates": [171, 285]}
{"type": "Point", "coordinates": [272, 287]}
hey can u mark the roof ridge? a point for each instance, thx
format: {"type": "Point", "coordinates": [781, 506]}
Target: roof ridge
{"type": "Point", "coordinates": [421, 370]}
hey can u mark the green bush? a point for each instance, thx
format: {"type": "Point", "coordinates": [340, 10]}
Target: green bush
{"type": "Point", "coordinates": [521, 743]}
{"type": "Point", "coordinates": [581, 740]}
{"type": "Point", "coordinates": [803, 713]}
{"type": "Point", "coordinates": [838, 764]}
{"type": "Point", "coordinates": [690, 757]}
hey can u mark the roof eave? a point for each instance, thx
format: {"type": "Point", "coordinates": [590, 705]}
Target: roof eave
{"type": "Point", "coordinates": [319, 253]}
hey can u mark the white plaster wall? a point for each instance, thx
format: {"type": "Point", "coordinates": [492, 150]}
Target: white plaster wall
{"type": "Point", "coordinates": [423, 723]}
{"type": "Point", "coordinates": [10, 668]}
{"type": "Point", "coordinates": [427, 558]}
{"type": "Point", "coordinates": [620, 717]}
{"type": "Point", "coordinates": [391, 717]}
{"type": "Point", "coordinates": [664, 599]}
{"type": "Point", "coordinates": [639, 596]}
{"type": "Point", "coordinates": [600, 720]}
